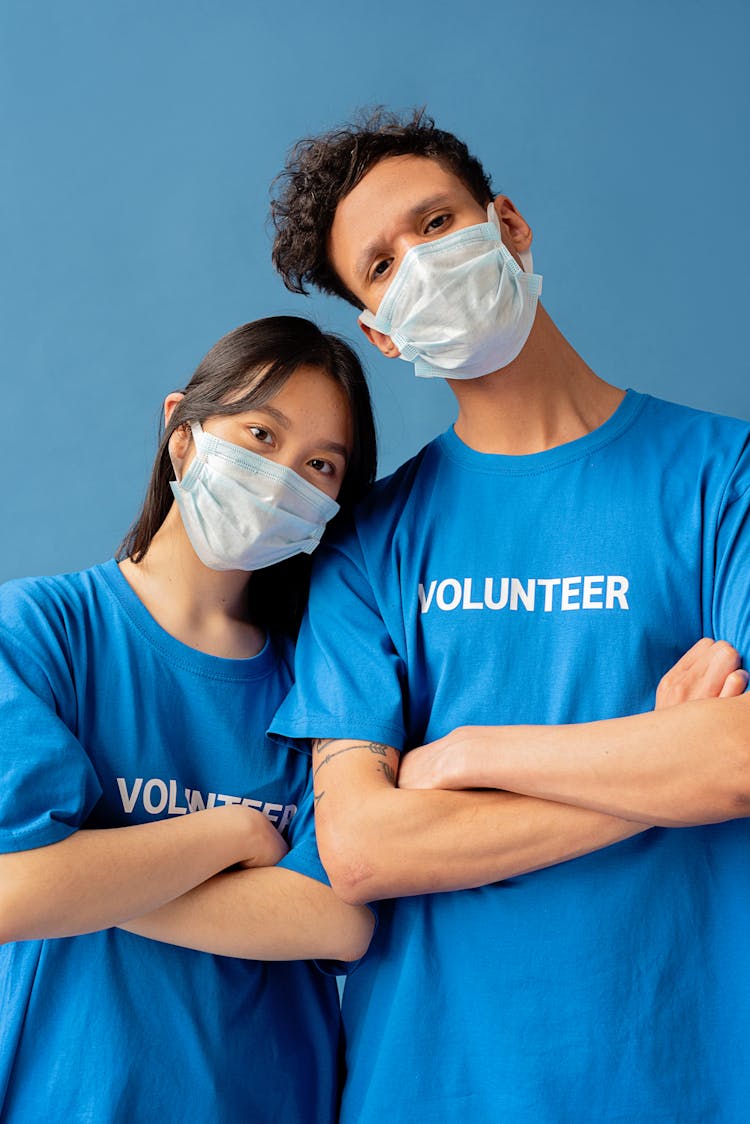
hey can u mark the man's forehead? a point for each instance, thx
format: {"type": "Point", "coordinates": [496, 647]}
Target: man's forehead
{"type": "Point", "coordinates": [396, 190]}
{"type": "Point", "coordinates": [399, 180]}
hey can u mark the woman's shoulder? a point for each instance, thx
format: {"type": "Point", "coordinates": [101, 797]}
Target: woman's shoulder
{"type": "Point", "coordinates": [32, 609]}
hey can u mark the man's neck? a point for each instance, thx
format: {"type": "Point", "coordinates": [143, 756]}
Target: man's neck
{"type": "Point", "coordinates": [544, 398]}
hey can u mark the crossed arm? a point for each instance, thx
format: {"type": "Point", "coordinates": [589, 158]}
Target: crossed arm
{"type": "Point", "coordinates": [171, 872]}
{"type": "Point", "coordinates": [379, 841]}
{"type": "Point", "coordinates": [165, 880]}
{"type": "Point", "coordinates": [677, 766]}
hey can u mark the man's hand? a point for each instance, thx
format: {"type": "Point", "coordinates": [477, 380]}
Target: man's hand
{"type": "Point", "coordinates": [709, 670]}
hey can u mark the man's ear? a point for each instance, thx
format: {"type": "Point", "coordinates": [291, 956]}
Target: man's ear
{"type": "Point", "coordinates": [517, 233]}
{"type": "Point", "coordinates": [381, 341]}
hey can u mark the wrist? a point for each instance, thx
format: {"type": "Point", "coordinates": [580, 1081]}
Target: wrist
{"type": "Point", "coordinates": [235, 830]}
{"type": "Point", "coordinates": [460, 764]}
{"type": "Point", "coordinates": [261, 844]}
{"type": "Point", "coordinates": [477, 757]}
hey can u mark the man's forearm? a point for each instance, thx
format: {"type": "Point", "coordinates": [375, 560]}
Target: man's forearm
{"type": "Point", "coordinates": [395, 843]}
{"type": "Point", "coordinates": [687, 764]}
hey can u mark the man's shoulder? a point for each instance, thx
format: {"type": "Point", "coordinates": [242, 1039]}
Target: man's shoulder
{"type": "Point", "coordinates": [390, 494]}
{"type": "Point", "coordinates": [695, 444]}
{"type": "Point", "coordinates": [385, 516]}
{"type": "Point", "coordinates": [692, 420]}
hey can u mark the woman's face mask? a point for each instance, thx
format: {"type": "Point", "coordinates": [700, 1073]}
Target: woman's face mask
{"type": "Point", "coordinates": [242, 511]}
{"type": "Point", "coordinates": [460, 306]}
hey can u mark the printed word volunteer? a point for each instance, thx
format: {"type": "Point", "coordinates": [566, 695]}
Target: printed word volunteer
{"type": "Point", "coordinates": [159, 795]}
{"type": "Point", "coordinates": [583, 591]}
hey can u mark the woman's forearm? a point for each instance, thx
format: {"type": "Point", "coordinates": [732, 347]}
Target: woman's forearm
{"type": "Point", "coordinates": [95, 879]}
{"type": "Point", "coordinates": [268, 913]}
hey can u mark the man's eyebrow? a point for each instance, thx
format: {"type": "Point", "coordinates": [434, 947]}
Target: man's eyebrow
{"type": "Point", "coordinates": [442, 199]}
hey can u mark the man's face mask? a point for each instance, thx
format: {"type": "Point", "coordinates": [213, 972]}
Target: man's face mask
{"type": "Point", "coordinates": [460, 306]}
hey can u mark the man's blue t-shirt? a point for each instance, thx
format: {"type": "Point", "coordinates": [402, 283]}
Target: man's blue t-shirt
{"type": "Point", "coordinates": [551, 588]}
{"type": "Point", "coordinates": [107, 721]}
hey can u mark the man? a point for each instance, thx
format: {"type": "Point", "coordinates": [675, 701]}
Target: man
{"type": "Point", "coordinates": [543, 562]}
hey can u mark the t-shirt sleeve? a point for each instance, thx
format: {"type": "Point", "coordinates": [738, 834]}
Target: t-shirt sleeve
{"type": "Point", "coordinates": [731, 594]}
{"type": "Point", "coordinates": [302, 855]}
{"type": "Point", "coordinates": [49, 784]}
{"type": "Point", "coordinates": [348, 675]}
{"type": "Point", "coordinates": [303, 858]}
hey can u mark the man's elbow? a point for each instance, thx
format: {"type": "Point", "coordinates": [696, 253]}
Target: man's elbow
{"type": "Point", "coordinates": [737, 794]}
{"type": "Point", "coordinates": [353, 878]}
{"type": "Point", "coordinates": [724, 792]}
{"type": "Point", "coordinates": [353, 862]}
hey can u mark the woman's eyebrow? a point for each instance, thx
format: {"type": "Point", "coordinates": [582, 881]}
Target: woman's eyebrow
{"type": "Point", "coordinates": [282, 419]}
{"type": "Point", "coordinates": [329, 446]}
{"type": "Point", "coordinates": [335, 447]}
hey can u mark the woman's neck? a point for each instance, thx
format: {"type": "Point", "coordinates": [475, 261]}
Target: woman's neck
{"type": "Point", "coordinates": [205, 609]}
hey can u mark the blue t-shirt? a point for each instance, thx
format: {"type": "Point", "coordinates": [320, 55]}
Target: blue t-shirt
{"type": "Point", "coordinates": [107, 720]}
{"type": "Point", "coordinates": [551, 588]}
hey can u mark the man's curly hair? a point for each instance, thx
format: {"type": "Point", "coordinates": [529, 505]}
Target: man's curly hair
{"type": "Point", "coordinates": [321, 170]}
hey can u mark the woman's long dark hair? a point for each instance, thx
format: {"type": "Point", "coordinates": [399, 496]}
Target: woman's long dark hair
{"type": "Point", "coordinates": [271, 349]}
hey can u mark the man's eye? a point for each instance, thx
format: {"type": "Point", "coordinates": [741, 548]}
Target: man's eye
{"type": "Point", "coordinates": [380, 267]}
{"type": "Point", "coordinates": [437, 222]}
{"type": "Point", "coordinates": [261, 434]}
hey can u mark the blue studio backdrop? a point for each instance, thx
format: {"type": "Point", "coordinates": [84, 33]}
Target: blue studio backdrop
{"type": "Point", "coordinates": [139, 142]}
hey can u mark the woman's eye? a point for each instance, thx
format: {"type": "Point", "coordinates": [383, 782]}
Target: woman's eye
{"type": "Point", "coordinates": [324, 467]}
{"type": "Point", "coordinates": [261, 434]}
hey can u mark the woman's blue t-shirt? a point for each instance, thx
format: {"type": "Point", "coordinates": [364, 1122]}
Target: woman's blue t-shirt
{"type": "Point", "coordinates": [106, 720]}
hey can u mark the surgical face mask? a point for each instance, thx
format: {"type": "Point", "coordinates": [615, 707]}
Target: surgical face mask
{"type": "Point", "coordinates": [242, 511]}
{"type": "Point", "coordinates": [460, 306]}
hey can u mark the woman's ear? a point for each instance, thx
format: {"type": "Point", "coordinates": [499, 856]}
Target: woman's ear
{"type": "Point", "coordinates": [181, 439]}
{"type": "Point", "coordinates": [170, 403]}
{"type": "Point", "coordinates": [381, 341]}
{"type": "Point", "coordinates": [516, 231]}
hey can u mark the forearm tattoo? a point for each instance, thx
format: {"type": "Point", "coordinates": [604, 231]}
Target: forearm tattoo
{"type": "Point", "coordinates": [322, 757]}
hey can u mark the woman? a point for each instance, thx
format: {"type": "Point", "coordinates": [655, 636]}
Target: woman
{"type": "Point", "coordinates": [134, 699]}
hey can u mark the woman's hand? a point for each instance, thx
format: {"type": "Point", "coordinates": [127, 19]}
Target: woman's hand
{"type": "Point", "coordinates": [266, 845]}
{"type": "Point", "coordinates": [97, 878]}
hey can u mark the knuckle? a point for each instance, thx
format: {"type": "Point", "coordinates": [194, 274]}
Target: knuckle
{"type": "Point", "coordinates": [726, 653]}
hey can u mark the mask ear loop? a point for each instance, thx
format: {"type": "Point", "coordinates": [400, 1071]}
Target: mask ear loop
{"type": "Point", "coordinates": [197, 431]}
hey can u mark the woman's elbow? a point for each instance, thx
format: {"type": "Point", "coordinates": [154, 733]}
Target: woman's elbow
{"type": "Point", "coordinates": [15, 923]}
{"type": "Point", "coordinates": [354, 938]}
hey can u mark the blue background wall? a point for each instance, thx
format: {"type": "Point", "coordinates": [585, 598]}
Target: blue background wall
{"type": "Point", "coordinates": [140, 140]}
